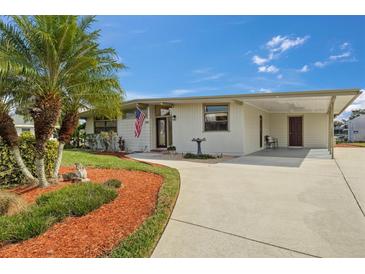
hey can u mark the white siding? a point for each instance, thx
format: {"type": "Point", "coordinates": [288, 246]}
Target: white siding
{"type": "Point", "coordinates": [315, 129]}
{"type": "Point", "coordinates": [251, 132]}
{"type": "Point", "coordinates": [189, 124]}
{"type": "Point", "coordinates": [21, 124]}
{"type": "Point", "coordinates": [356, 129]}
{"type": "Point", "coordinates": [125, 129]}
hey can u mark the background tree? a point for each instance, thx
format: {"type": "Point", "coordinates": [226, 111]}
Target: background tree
{"type": "Point", "coordinates": [356, 112]}
{"type": "Point", "coordinates": [51, 52]}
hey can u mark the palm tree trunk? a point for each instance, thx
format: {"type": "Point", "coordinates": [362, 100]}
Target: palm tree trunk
{"type": "Point", "coordinates": [45, 114]}
{"type": "Point", "coordinates": [19, 160]}
{"type": "Point", "coordinates": [68, 126]}
{"type": "Point", "coordinates": [57, 165]}
{"type": "Point", "coordinates": [9, 135]}
{"type": "Point", "coordinates": [40, 171]}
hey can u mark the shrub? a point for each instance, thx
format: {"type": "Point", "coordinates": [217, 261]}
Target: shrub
{"type": "Point", "coordinates": [11, 203]}
{"type": "Point", "coordinates": [196, 156]}
{"type": "Point", "coordinates": [50, 208]}
{"type": "Point", "coordinates": [115, 183]}
{"type": "Point", "coordinates": [9, 171]}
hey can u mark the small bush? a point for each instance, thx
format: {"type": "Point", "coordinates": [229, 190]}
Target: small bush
{"type": "Point", "coordinates": [196, 156]}
{"type": "Point", "coordinates": [115, 183]}
{"type": "Point", "coordinates": [50, 208]}
{"type": "Point", "coordinates": [11, 203]}
{"type": "Point", "coordinates": [9, 171]}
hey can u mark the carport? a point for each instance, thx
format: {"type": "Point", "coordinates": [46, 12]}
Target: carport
{"type": "Point", "coordinates": [288, 111]}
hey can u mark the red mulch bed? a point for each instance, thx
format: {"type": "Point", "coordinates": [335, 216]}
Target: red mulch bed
{"type": "Point", "coordinates": [98, 232]}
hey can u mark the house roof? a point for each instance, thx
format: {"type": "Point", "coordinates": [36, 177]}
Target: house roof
{"type": "Point", "coordinates": [293, 102]}
{"type": "Point", "coordinates": [316, 101]}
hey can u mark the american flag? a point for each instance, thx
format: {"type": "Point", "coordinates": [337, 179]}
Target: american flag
{"type": "Point", "coordinates": [140, 116]}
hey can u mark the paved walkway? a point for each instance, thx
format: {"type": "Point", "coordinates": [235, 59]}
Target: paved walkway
{"type": "Point", "coordinates": [268, 206]}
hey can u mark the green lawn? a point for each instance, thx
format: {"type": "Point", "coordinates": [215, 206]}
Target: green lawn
{"type": "Point", "coordinates": [142, 242]}
{"type": "Point", "coordinates": [358, 144]}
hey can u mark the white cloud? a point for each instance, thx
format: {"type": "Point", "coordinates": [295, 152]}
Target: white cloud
{"type": "Point", "coordinates": [179, 92]}
{"type": "Point", "coordinates": [259, 60]}
{"type": "Point", "coordinates": [280, 76]}
{"type": "Point", "coordinates": [340, 56]}
{"type": "Point", "coordinates": [305, 68]}
{"type": "Point", "coordinates": [279, 44]}
{"type": "Point", "coordinates": [320, 64]}
{"type": "Point", "coordinates": [268, 69]}
{"type": "Point", "coordinates": [345, 45]}
{"type": "Point", "coordinates": [275, 47]}
{"type": "Point", "coordinates": [264, 90]}
{"type": "Point", "coordinates": [345, 54]}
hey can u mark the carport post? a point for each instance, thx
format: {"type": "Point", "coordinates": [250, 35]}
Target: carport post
{"type": "Point", "coordinates": [331, 127]}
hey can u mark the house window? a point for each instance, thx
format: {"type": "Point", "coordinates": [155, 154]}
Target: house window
{"type": "Point", "coordinates": [216, 117]}
{"type": "Point", "coordinates": [356, 131]}
{"type": "Point", "coordinates": [104, 125]}
{"type": "Point", "coordinates": [25, 129]}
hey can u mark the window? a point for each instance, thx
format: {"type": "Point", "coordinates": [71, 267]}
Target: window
{"type": "Point", "coordinates": [104, 125]}
{"type": "Point", "coordinates": [216, 117]}
{"type": "Point", "coordinates": [25, 129]}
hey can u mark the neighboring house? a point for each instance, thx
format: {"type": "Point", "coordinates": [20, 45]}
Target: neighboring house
{"type": "Point", "coordinates": [232, 124]}
{"type": "Point", "coordinates": [356, 129]}
{"type": "Point", "coordinates": [22, 125]}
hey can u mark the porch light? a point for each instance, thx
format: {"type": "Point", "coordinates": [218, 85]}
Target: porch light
{"type": "Point", "coordinates": [173, 117]}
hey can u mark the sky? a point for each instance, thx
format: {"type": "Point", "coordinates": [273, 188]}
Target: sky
{"type": "Point", "coordinates": [172, 56]}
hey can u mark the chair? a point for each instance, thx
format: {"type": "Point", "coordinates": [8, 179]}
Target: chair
{"type": "Point", "coordinates": [271, 142]}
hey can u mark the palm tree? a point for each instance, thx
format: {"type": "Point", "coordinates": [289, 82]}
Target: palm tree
{"type": "Point", "coordinates": [50, 52]}
{"type": "Point", "coordinates": [10, 97]}
{"type": "Point", "coordinates": [100, 94]}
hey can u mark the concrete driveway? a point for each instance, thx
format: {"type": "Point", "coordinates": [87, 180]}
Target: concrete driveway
{"type": "Point", "coordinates": [280, 204]}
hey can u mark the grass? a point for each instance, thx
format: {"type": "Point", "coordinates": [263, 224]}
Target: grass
{"type": "Point", "coordinates": [358, 144]}
{"type": "Point", "coordinates": [50, 208]}
{"type": "Point", "coordinates": [141, 242]}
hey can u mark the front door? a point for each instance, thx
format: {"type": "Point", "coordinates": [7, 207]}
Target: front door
{"type": "Point", "coordinates": [161, 131]}
{"type": "Point", "coordinates": [296, 131]}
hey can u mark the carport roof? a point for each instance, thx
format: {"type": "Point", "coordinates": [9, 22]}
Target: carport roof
{"type": "Point", "coordinates": [276, 102]}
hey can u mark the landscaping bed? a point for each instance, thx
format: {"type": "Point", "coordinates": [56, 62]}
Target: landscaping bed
{"type": "Point", "coordinates": [129, 226]}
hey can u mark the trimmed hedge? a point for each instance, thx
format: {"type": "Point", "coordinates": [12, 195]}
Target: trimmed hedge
{"type": "Point", "coordinates": [9, 171]}
{"type": "Point", "coordinates": [201, 156]}
{"type": "Point", "coordinates": [50, 208]}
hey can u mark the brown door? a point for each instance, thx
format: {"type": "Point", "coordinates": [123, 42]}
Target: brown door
{"type": "Point", "coordinates": [296, 131]}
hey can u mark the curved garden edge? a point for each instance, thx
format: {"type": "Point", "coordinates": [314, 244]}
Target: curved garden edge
{"type": "Point", "coordinates": [142, 242]}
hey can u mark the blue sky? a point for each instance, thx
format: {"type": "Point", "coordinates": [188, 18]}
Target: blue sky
{"type": "Point", "coordinates": [207, 55]}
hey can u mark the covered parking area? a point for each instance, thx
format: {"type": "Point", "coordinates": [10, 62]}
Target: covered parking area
{"type": "Point", "coordinates": [298, 119]}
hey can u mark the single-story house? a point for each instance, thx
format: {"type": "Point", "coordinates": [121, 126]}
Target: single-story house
{"type": "Point", "coordinates": [22, 125]}
{"type": "Point", "coordinates": [356, 129]}
{"type": "Point", "coordinates": [232, 124]}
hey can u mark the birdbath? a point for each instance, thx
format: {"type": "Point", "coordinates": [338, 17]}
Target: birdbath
{"type": "Point", "coordinates": [198, 141]}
